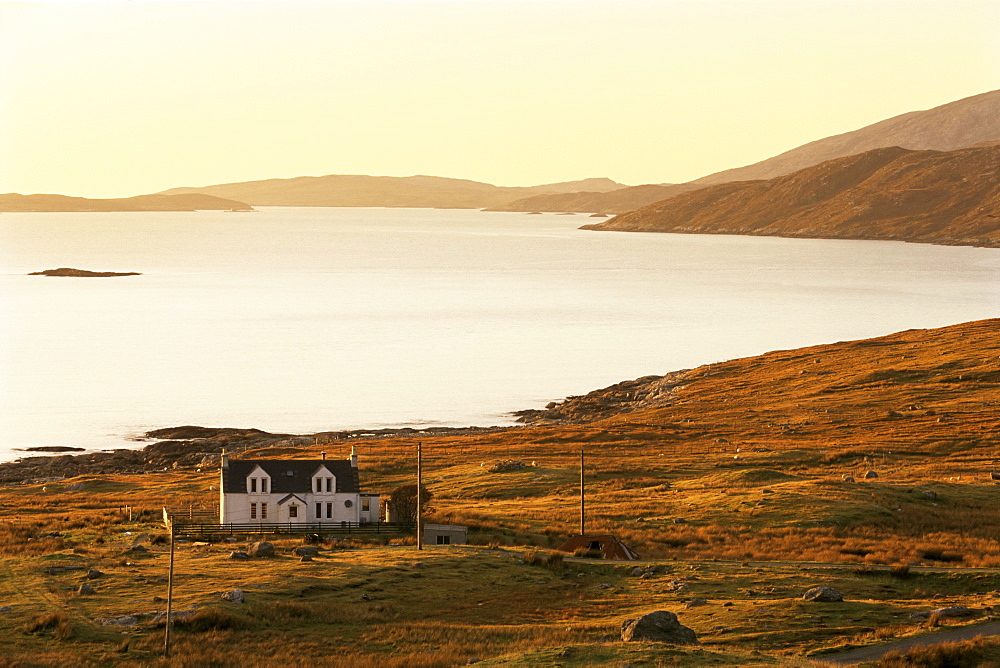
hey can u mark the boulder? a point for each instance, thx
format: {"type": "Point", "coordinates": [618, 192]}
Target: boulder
{"type": "Point", "coordinates": [823, 594]}
{"type": "Point", "coordinates": [869, 474]}
{"type": "Point", "coordinates": [238, 554]}
{"type": "Point", "coordinates": [696, 602]}
{"type": "Point", "coordinates": [261, 549]}
{"type": "Point", "coordinates": [234, 596]}
{"type": "Point", "coordinates": [85, 590]}
{"type": "Point", "coordinates": [305, 551]}
{"type": "Point", "coordinates": [658, 626]}
{"type": "Point", "coordinates": [93, 574]}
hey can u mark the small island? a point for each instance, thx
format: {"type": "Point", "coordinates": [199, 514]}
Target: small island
{"type": "Point", "coordinates": [82, 273]}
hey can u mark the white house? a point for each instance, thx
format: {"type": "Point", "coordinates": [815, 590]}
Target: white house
{"type": "Point", "coordinates": [293, 491]}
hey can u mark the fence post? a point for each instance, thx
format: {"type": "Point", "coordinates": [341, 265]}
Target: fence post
{"type": "Point", "coordinates": [170, 595]}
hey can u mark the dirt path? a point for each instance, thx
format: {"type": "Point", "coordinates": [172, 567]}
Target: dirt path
{"type": "Point", "coordinates": [863, 654]}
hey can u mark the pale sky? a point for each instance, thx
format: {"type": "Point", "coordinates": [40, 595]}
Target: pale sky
{"type": "Point", "coordinates": [109, 99]}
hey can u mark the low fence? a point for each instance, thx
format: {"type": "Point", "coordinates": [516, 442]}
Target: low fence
{"type": "Point", "coordinates": [186, 527]}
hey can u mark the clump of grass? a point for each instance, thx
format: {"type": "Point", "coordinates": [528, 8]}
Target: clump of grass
{"type": "Point", "coordinates": [941, 655]}
{"type": "Point", "coordinates": [57, 621]}
{"type": "Point", "coordinates": [900, 571]}
{"type": "Point", "coordinates": [938, 554]}
{"type": "Point", "coordinates": [212, 619]}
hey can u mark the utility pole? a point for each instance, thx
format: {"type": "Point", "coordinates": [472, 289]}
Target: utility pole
{"type": "Point", "coordinates": [420, 490]}
{"type": "Point", "coordinates": [583, 515]}
{"type": "Point", "coordinates": [170, 592]}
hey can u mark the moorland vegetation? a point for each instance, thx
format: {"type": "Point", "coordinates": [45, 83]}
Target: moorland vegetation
{"type": "Point", "coordinates": [866, 466]}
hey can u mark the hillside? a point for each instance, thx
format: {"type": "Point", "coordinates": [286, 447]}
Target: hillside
{"type": "Point", "coordinates": [615, 201]}
{"type": "Point", "coordinates": [950, 197]}
{"type": "Point", "coordinates": [386, 191]}
{"type": "Point", "coordinates": [866, 466]}
{"type": "Point", "coordinates": [951, 126]}
{"type": "Point", "coordinates": [185, 202]}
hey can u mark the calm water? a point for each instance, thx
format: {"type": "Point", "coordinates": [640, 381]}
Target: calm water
{"type": "Point", "coordinates": [301, 320]}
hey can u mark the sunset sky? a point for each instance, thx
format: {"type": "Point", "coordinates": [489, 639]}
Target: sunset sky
{"type": "Point", "coordinates": [121, 98]}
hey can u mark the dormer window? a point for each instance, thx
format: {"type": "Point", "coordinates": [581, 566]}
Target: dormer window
{"type": "Point", "coordinates": [323, 482]}
{"type": "Point", "coordinates": [257, 482]}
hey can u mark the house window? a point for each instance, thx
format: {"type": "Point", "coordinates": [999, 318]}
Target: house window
{"type": "Point", "coordinates": [253, 485]}
{"type": "Point", "coordinates": [444, 540]}
{"type": "Point", "coordinates": [263, 511]}
{"type": "Point", "coordinates": [366, 504]}
{"type": "Point", "coordinates": [263, 485]}
{"type": "Point", "coordinates": [293, 511]}
{"type": "Point", "coordinates": [329, 484]}
{"type": "Point", "coordinates": [319, 484]}
{"type": "Point", "coordinates": [253, 511]}
{"type": "Point", "coordinates": [319, 510]}
{"type": "Point", "coordinates": [329, 511]}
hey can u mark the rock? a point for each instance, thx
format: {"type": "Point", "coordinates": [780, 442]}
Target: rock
{"type": "Point", "coordinates": [305, 551]}
{"type": "Point", "coordinates": [93, 574]}
{"type": "Point", "coordinates": [124, 620]}
{"type": "Point", "coordinates": [636, 572]}
{"type": "Point", "coordinates": [233, 596]}
{"type": "Point", "coordinates": [261, 549]}
{"type": "Point", "coordinates": [928, 494]}
{"type": "Point", "coordinates": [138, 549]}
{"type": "Point", "coordinates": [658, 626]}
{"type": "Point", "coordinates": [869, 475]}
{"type": "Point", "coordinates": [823, 594]}
{"type": "Point", "coordinates": [696, 602]}
{"type": "Point", "coordinates": [85, 590]}
{"type": "Point", "coordinates": [848, 478]}
{"type": "Point", "coordinates": [365, 597]}
{"type": "Point", "coordinates": [238, 554]}
{"type": "Point", "coordinates": [604, 585]}
{"type": "Point", "coordinates": [472, 660]}
{"type": "Point", "coordinates": [306, 557]}
{"type": "Point", "coordinates": [507, 465]}
{"type": "Point", "coordinates": [954, 611]}
{"type": "Point", "coordinates": [6, 608]}
{"type": "Point", "coordinates": [158, 599]}
{"type": "Point", "coordinates": [680, 520]}
{"type": "Point", "coordinates": [82, 273]}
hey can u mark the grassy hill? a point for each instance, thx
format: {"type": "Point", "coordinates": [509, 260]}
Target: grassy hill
{"type": "Point", "coordinates": [724, 476]}
{"type": "Point", "coordinates": [950, 197]}
{"type": "Point", "coordinates": [959, 124]}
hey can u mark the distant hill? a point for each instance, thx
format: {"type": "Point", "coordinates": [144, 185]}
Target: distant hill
{"type": "Point", "coordinates": [615, 201]}
{"type": "Point", "coordinates": [388, 191]}
{"type": "Point", "coordinates": [951, 126]}
{"type": "Point", "coordinates": [188, 202]}
{"type": "Point", "coordinates": [944, 197]}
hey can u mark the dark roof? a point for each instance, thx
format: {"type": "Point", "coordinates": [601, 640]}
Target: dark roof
{"type": "Point", "coordinates": [300, 482]}
{"type": "Point", "coordinates": [609, 546]}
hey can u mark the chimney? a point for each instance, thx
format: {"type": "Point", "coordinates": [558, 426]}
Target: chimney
{"type": "Point", "coordinates": [354, 458]}
{"type": "Point", "coordinates": [323, 455]}
{"type": "Point", "coordinates": [223, 459]}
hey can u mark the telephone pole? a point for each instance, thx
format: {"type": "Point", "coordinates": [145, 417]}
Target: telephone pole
{"type": "Point", "coordinates": [420, 490]}
{"type": "Point", "coordinates": [583, 514]}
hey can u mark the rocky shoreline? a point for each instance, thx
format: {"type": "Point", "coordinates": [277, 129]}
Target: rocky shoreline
{"type": "Point", "coordinates": [193, 447]}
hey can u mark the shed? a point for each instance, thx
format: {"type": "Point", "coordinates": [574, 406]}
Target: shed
{"type": "Point", "coordinates": [607, 545]}
{"type": "Point", "coordinates": [445, 534]}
